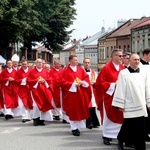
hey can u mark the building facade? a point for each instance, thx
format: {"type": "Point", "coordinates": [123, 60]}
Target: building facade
{"type": "Point", "coordinates": [122, 38]}
{"type": "Point", "coordinates": [140, 37]}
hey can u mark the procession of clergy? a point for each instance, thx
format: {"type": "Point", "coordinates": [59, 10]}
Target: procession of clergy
{"type": "Point", "coordinates": [120, 92]}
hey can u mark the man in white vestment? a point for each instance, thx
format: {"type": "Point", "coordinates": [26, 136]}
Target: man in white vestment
{"type": "Point", "coordinates": [144, 63]}
{"type": "Point", "coordinates": [131, 96]}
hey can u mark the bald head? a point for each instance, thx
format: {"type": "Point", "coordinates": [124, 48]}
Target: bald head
{"type": "Point", "coordinates": [57, 64]}
{"type": "Point", "coordinates": [38, 60]}
{"type": "Point", "coordinates": [38, 63]}
{"type": "Point", "coordinates": [134, 61]}
{"type": "Point", "coordinates": [47, 67]}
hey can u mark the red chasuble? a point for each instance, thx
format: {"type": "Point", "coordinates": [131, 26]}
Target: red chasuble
{"type": "Point", "coordinates": [1, 97]}
{"type": "Point", "coordinates": [108, 75]}
{"type": "Point", "coordinates": [10, 91]}
{"type": "Point", "coordinates": [42, 95]}
{"type": "Point", "coordinates": [23, 90]}
{"type": "Point", "coordinates": [56, 94]}
{"type": "Point", "coordinates": [75, 104]}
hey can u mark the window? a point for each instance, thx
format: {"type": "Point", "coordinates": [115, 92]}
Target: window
{"type": "Point", "coordinates": [107, 52]}
{"type": "Point", "coordinates": [128, 48]}
{"type": "Point", "coordinates": [111, 48]}
{"type": "Point", "coordinates": [104, 52]}
{"type": "Point", "coordinates": [124, 48]}
{"type": "Point", "coordinates": [148, 42]}
{"type": "Point", "coordinates": [143, 44]}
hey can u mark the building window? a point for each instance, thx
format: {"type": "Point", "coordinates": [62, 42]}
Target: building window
{"type": "Point", "coordinates": [104, 52]}
{"type": "Point", "coordinates": [128, 48]}
{"type": "Point", "coordinates": [124, 48]}
{"type": "Point", "coordinates": [107, 52]}
{"type": "Point", "coordinates": [138, 47]}
{"type": "Point", "coordinates": [40, 55]}
{"type": "Point", "coordinates": [148, 42]}
{"type": "Point", "coordinates": [111, 48]}
{"type": "Point", "coordinates": [143, 44]}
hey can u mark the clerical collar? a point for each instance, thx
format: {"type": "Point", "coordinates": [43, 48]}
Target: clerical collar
{"type": "Point", "coordinates": [133, 71]}
{"type": "Point", "coordinates": [9, 70]}
{"type": "Point", "coordinates": [116, 66]}
{"type": "Point", "coordinates": [26, 70]}
{"type": "Point", "coordinates": [16, 68]}
{"type": "Point", "coordinates": [56, 69]}
{"type": "Point", "coordinates": [144, 62]}
{"type": "Point", "coordinates": [74, 68]}
{"type": "Point", "coordinates": [87, 69]}
{"type": "Point", "coordinates": [39, 69]}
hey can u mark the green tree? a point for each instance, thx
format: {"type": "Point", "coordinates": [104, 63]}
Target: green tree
{"type": "Point", "coordinates": [36, 20]}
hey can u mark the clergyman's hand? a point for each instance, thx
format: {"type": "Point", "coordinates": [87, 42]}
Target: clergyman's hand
{"type": "Point", "coordinates": [78, 84]}
{"type": "Point", "coordinates": [10, 79]}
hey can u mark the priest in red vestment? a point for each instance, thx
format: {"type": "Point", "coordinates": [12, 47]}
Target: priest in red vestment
{"type": "Point", "coordinates": [55, 70]}
{"type": "Point", "coordinates": [106, 81]}
{"type": "Point", "coordinates": [24, 92]}
{"type": "Point", "coordinates": [9, 89]}
{"type": "Point", "coordinates": [41, 91]}
{"type": "Point", "coordinates": [76, 92]}
{"type": "Point", "coordinates": [1, 97]}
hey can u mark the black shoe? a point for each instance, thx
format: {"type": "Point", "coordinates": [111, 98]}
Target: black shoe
{"type": "Point", "coordinates": [41, 123]}
{"type": "Point", "coordinates": [90, 126]}
{"type": "Point", "coordinates": [120, 146]}
{"type": "Point", "coordinates": [8, 117]}
{"type": "Point", "coordinates": [56, 118]}
{"type": "Point", "coordinates": [11, 117]}
{"type": "Point", "coordinates": [64, 121]}
{"type": "Point", "coordinates": [36, 121]}
{"type": "Point", "coordinates": [25, 120]}
{"type": "Point", "coordinates": [76, 132]}
{"type": "Point", "coordinates": [129, 145]}
{"type": "Point", "coordinates": [106, 141]}
{"type": "Point", "coordinates": [2, 115]}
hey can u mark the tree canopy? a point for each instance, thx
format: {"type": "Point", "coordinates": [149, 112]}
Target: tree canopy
{"type": "Point", "coordinates": [36, 20]}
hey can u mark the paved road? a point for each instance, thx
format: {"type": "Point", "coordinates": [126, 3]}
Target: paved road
{"type": "Point", "coordinates": [15, 135]}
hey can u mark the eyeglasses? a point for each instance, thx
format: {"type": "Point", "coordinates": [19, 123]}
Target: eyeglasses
{"type": "Point", "coordinates": [119, 55]}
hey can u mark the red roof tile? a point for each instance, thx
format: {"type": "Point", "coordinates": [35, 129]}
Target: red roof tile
{"type": "Point", "coordinates": [125, 29]}
{"type": "Point", "coordinates": [147, 22]}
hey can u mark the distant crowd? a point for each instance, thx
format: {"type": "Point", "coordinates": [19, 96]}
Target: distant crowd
{"type": "Point", "coordinates": [118, 97]}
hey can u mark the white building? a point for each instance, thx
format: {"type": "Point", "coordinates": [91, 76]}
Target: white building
{"type": "Point", "coordinates": [69, 49]}
{"type": "Point", "coordinates": [90, 46]}
{"type": "Point", "coordinates": [79, 51]}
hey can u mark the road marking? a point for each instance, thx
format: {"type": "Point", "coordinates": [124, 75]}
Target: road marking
{"type": "Point", "coordinates": [11, 130]}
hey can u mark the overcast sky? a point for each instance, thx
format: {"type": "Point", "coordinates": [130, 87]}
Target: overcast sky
{"type": "Point", "coordinates": [93, 14]}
